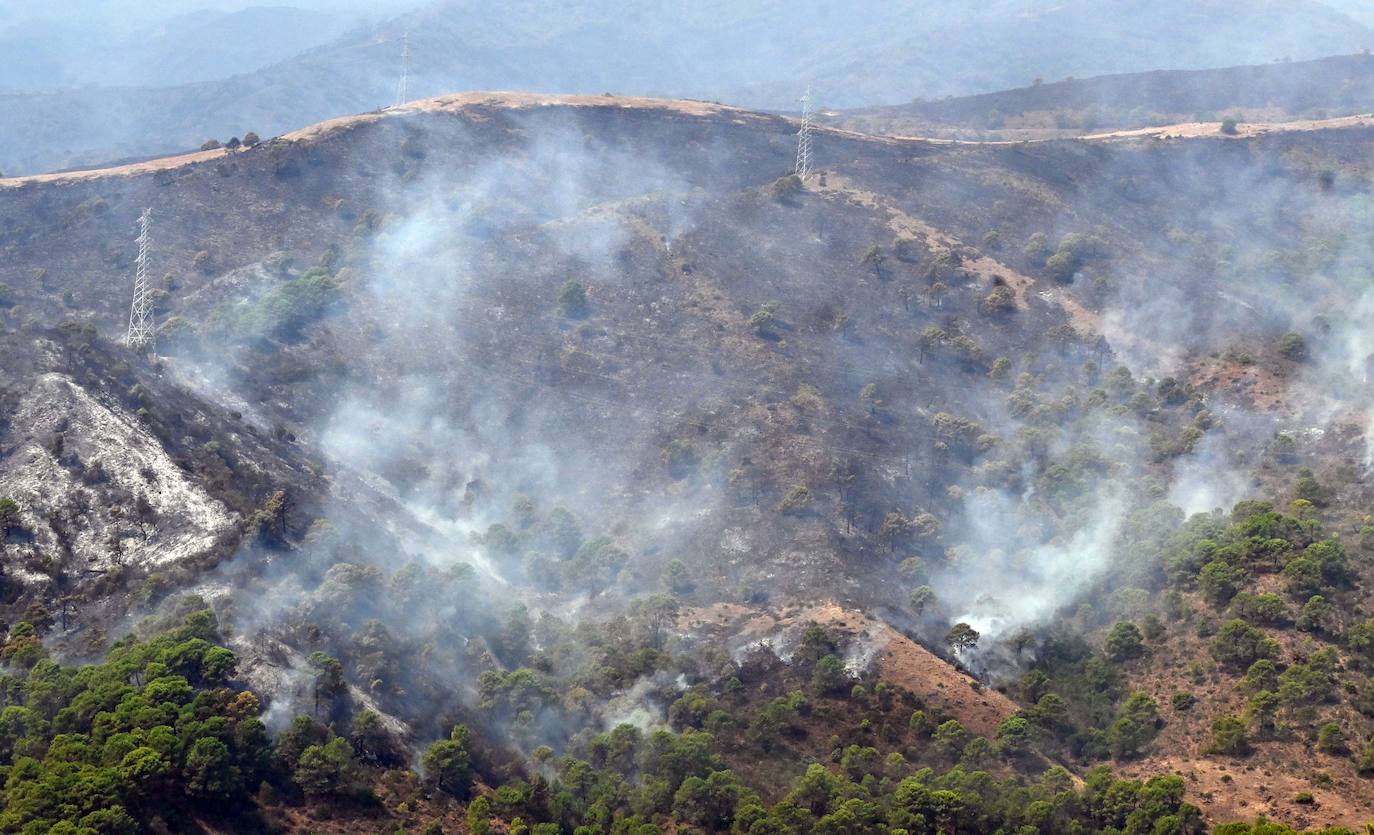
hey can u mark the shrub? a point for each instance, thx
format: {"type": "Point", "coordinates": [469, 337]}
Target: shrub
{"type": "Point", "coordinates": [786, 189]}
{"type": "Point", "coordinates": [1331, 739]}
{"type": "Point", "coordinates": [1228, 127]}
{"type": "Point", "coordinates": [765, 318]}
{"type": "Point", "coordinates": [1292, 346]}
{"type": "Point", "coordinates": [1365, 765]}
{"type": "Point", "coordinates": [680, 458]}
{"type": "Point", "coordinates": [572, 300]}
{"type": "Point", "coordinates": [287, 308]}
{"type": "Point", "coordinates": [1061, 266]}
{"type": "Point", "coordinates": [797, 500]}
{"type": "Point", "coordinates": [1229, 737]}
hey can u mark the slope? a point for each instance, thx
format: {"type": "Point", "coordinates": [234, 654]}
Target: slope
{"type": "Point", "coordinates": [504, 354]}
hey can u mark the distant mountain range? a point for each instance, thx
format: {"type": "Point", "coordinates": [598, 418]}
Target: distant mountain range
{"type": "Point", "coordinates": [1327, 87]}
{"type": "Point", "coordinates": [759, 53]}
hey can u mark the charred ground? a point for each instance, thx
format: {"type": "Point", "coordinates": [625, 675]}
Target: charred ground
{"type": "Point", "coordinates": [569, 352]}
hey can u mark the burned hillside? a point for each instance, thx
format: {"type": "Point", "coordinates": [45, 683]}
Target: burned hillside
{"type": "Point", "coordinates": [467, 413]}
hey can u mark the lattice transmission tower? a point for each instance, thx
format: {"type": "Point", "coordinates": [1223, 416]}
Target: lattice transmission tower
{"type": "Point", "coordinates": [142, 332]}
{"type": "Point", "coordinates": [402, 89]}
{"type": "Point", "coordinates": [804, 138]}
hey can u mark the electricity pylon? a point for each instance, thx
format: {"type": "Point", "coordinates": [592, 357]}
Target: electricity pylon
{"type": "Point", "coordinates": [804, 139]}
{"type": "Point", "coordinates": [402, 93]}
{"type": "Point", "coordinates": [142, 332]}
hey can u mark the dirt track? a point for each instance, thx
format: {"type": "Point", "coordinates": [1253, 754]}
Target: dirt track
{"type": "Point", "coordinates": [463, 102]}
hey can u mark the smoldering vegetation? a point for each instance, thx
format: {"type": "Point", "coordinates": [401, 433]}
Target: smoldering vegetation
{"type": "Point", "coordinates": [571, 370]}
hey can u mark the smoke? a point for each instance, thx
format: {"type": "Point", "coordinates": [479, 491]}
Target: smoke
{"type": "Point", "coordinates": [482, 475]}
{"type": "Point", "coordinates": [1005, 586]}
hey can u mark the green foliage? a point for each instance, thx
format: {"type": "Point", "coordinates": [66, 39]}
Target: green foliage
{"type": "Point", "coordinates": [1315, 614]}
{"type": "Point", "coordinates": [1292, 346]}
{"type": "Point", "coordinates": [1239, 644]}
{"type": "Point", "coordinates": [1331, 739]}
{"type": "Point", "coordinates": [448, 765]}
{"type": "Point", "coordinates": [1218, 581]}
{"type": "Point", "coordinates": [1124, 642]}
{"type": "Point", "coordinates": [830, 676]}
{"type": "Point", "coordinates": [1360, 639]}
{"type": "Point", "coordinates": [98, 748]}
{"type": "Point", "coordinates": [572, 300]}
{"type": "Point", "coordinates": [797, 500]}
{"type": "Point", "coordinates": [286, 309]}
{"type": "Point", "coordinates": [676, 579]}
{"type": "Point", "coordinates": [9, 517]}
{"type": "Point", "coordinates": [787, 188]}
{"type": "Point", "coordinates": [680, 458]}
{"type": "Point", "coordinates": [765, 319]}
{"type": "Point", "coordinates": [1014, 735]}
{"type": "Point", "coordinates": [1135, 727]}
{"type": "Point", "coordinates": [1307, 488]}
{"type": "Point", "coordinates": [1268, 608]}
{"type": "Point", "coordinates": [1229, 737]}
{"type": "Point", "coordinates": [962, 638]}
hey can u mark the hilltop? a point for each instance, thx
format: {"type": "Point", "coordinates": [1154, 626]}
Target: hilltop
{"type": "Point", "coordinates": [545, 416]}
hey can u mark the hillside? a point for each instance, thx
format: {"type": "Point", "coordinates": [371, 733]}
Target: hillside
{"type": "Point", "coordinates": [1275, 92]}
{"type": "Point", "coordinates": [761, 53]}
{"type": "Point", "coordinates": [567, 447]}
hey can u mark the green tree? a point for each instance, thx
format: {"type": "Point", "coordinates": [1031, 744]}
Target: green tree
{"type": "Point", "coordinates": [1292, 346]}
{"type": "Point", "coordinates": [1014, 735]}
{"type": "Point", "coordinates": [951, 737]}
{"type": "Point", "coordinates": [830, 676]}
{"type": "Point", "coordinates": [1315, 614]}
{"type": "Point", "coordinates": [572, 300]}
{"type": "Point", "coordinates": [1124, 642]}
{"type": "Point", "coordinates": [922, 598]}
{"type": "Point", "coordinates": [1229, 737]}
{"type": "Point", "coordinates": [1360, 639]}
{"type": "Point", "coordinates": [710, 802]}
{"type": "Point", "coordinates": [765, 319]}
{"type": "Point", "coordinates": [1218, 582]}
{"type": "Point", "coordinates": [448, 764]}
{"type": "Point", "coordinates": [327, 769]}
{"type": "Point", "coordinates": [329, 681]}
{"type": "Point", "coordinates": [210, 771]}
{"type": "Point", "coordinates": [676, 579]}
{"type": "Point", "coordinates": [1331, 739]}
{"type": "Point", "coordinates": [1239, 644]}
{"type": "Point", "coordinates": [962, 638]}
